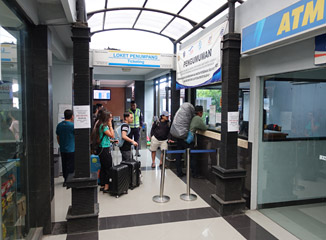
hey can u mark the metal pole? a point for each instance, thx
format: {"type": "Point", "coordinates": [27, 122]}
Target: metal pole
{"type": "Point", "coordinates": [162, 198]}
{"type": "Point", "coordinates": [188, 196]}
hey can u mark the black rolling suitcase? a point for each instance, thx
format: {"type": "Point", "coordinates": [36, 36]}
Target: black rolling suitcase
{"type": "Point", "coordinates": [134, 173]}
{"type": "Point", "coordinates": [119, 180]}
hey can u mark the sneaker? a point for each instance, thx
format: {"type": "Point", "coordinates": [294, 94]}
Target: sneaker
{"type": "Point", "coordinates": [181, 174]}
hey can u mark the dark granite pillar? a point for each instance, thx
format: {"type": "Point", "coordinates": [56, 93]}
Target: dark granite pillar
{"type": "Point", "coordinates": [193, 96]}
{"type": "Point", "coordinates": [82, 215]}
{"type": "Point", "coordinates": [228, 198]}
{"type": "Point", "coordinates": [140, 95]}
{"type": "Point", "coordinates": [175, 95]}
{"type": "Point", "coordinates": [39, 140]}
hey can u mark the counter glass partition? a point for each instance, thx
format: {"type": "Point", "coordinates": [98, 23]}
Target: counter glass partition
{"type": "Point", "coordinates": [210, 97]}
{"type": "Point", "coordinates": [292, 151]}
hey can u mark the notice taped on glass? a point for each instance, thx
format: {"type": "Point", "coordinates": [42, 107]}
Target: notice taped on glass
{"type": "Point", "coordinates": [233, 121]}
{"type": "Point", "coordinates": [82, 117]}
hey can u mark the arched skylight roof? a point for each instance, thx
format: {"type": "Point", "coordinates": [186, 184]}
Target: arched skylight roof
{"type": "Point", "coordinates": [169, 19]}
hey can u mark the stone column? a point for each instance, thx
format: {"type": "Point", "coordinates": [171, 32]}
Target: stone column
{"type": "Point", "coordinates": [175, 95]}
{"type": "Point", "coordinates": [39, 140]}
{"type": "Point", "coordinates": [228, 198]}
{"type": "Point", "coordinates": [82, 215]}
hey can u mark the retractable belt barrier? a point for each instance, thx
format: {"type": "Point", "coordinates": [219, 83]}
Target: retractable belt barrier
{"type": "Point", "coordinates": [185, 196]}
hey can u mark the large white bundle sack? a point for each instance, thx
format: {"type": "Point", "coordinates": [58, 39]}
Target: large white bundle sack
{"type": "Point", "coordinates": [182, 119]}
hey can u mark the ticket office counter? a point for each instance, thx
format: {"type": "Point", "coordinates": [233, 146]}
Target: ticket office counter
{"type": "Point", "coordinates": [211, 139]}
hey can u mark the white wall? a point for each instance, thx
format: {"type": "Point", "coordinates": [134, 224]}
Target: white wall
{"type": "Point", "coordinates": [149, 104]}
{"type": "Point", "coordinates": [62, 91]}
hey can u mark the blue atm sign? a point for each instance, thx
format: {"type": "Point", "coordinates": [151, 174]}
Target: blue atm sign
{"type": "Point", "coordinates": [300, 17]}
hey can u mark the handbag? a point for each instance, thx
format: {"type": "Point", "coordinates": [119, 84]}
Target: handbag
{"type": "Point", "coordinates": [190, 137]}
{"type": "Point", "coordinates": [96, 148]}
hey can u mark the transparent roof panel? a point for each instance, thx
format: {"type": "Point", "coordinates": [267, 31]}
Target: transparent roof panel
{"type": "Point", "coordinates": [172, 6]}
{"type": "Point", "coordinates": [198, 10]}
{"type": "Point", "coordinates": [96, 22]}
{"type": "Point", "coordinates": [123, 3]}
{"type": "Point", "coordinates": [92, 5]}
{"type": "Point", "coordinates": [194, 10]}
{"type": "Point", "coordinates": [177, 28]}
{"type": "Point", "coordinates": [152, 21]}
{"type": "Point", "coordinates": [120, 19]}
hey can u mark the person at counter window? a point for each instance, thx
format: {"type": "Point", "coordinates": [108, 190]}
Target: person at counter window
{"type": "Point", "coordinates": [197, 123]}
{"type": "Point", "coordinates": [311, 128]}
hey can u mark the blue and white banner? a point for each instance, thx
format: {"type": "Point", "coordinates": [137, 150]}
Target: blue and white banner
{"type": "Point", "coordinates": [132, 59]}
{"type": "Point", "coordinates": [299, 18]}
{"type": "Point", "coordinates": [199, 63]}
{"type": "Point", "coordinates": [320, 49]}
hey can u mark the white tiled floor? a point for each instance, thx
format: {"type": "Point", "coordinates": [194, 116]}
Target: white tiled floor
{"type": "Point", "coordinates": [136, 201]}
{"type": "Point", "coordinates": [213, 228]}
{"type": "Point", "coordinates": [139, 201]}
{"type": "Point", "coordinates": [270, 226]}
{"type": "Point", "coordinates": [304, 221]}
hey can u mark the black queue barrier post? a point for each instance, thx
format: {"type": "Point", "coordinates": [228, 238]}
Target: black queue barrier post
{"type": "Point", "coordinates": [162, 198]}
{"type": "Point", "coordinates": [188, 196]}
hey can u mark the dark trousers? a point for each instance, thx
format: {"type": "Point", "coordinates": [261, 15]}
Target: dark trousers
{"type": "Point", "coordinates": [182, 145]}
{"type": "Point", "coordinates": [68, 163]}
{"type": "Point", "coordinates": [135, 134]}
{"type": "Point", "coordinates": [106, 164]}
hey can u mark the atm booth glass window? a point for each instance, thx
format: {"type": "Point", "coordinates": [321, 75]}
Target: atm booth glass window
{"type": "Point", "coordinates": [294, 106]}
{"type": "Point", "coordinates": [292, 150]}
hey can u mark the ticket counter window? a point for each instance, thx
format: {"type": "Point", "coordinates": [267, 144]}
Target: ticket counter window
{"type": "Point", "coordinates": [210, 97]}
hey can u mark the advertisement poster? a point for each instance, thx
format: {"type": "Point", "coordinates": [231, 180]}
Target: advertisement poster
{"type": "Point", "coordinates": [6, 96]}
{"type": "Point", "coordinates": [199, 63]}
{"type": "Point", "coordinates": [320, 49]}
{"type": "Point", "coordinates": [82, 117]}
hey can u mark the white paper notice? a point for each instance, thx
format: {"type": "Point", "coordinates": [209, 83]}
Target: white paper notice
{"type": "Point", "coordinates": [212, 112]}
{"type": "Point", "coordinates": [233, 121]}
{"type": "Point", "coordinates": [82, 117]}
{"type": "Point", "coordinates": [218, 117]}
{"type": "Point", "coordinates": [61, 110]}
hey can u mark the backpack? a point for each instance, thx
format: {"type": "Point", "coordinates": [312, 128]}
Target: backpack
{"type": "Point", "coordinates": [118, 135]}
{"type": "Point", "coordinates": [95, 144]}
{"type": "Point", "coordinates": [181, 122]}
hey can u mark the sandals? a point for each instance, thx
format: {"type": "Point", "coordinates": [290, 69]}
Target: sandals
{"type": "Point", "coordinates": [153, 165]}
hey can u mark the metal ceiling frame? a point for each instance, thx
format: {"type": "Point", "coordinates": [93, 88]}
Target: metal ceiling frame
{"type": "Point", "coordinates": [141, 9]}
{"type": "Point", "coordinates": [136, 29]}
{"type": "Point", "coordinates": [194, 24]}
